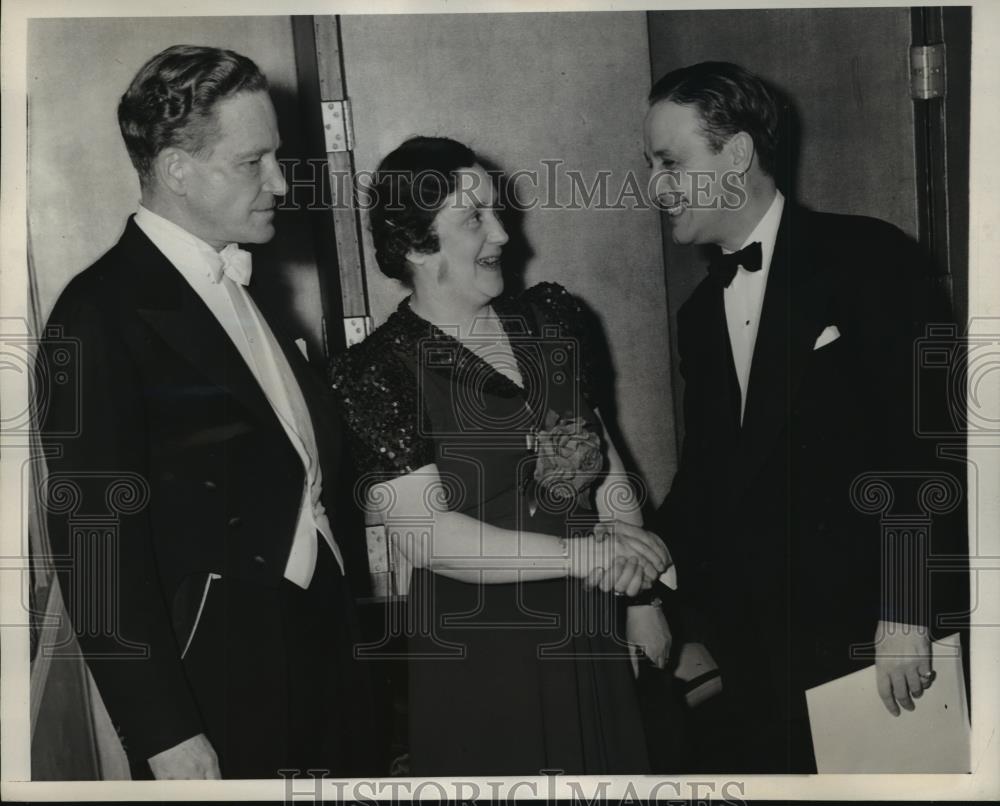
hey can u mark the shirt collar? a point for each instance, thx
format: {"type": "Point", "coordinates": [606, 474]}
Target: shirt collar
{"type": "Point", "coordinates": [192, 256]}
{"type": "Point", "coordinates": [766, 230]}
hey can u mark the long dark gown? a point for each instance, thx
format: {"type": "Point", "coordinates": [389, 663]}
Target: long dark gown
{"type": "Point", "coordinates": [503, 678]}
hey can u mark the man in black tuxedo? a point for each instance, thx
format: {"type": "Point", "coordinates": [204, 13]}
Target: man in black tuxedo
{"type": "Point", "coordinates": [223, 646]}
{"type": "Point", "coordinates": [797, 356]}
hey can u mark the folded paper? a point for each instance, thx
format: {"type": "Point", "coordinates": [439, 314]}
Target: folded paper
{"type": "Point", "coordinates": [853, 732]}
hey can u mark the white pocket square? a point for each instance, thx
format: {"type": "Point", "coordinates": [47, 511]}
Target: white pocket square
{"type": "Point", "coordinates": [830, 333]}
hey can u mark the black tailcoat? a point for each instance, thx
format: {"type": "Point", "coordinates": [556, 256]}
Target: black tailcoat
{"type": "Point", "coordinates": [162, 399]}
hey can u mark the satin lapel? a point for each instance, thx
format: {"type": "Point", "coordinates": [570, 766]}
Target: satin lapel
{"type": "Point", "coordinates": [172, 308]}
{"type": "Point", "coordinates": [788, 326]}
{"type": "Point", "coordinates": [720, 387]}
{"type": "Point", "coordinates": [320, 409]}
{"type": "Point", "coordinates": [729, 385]}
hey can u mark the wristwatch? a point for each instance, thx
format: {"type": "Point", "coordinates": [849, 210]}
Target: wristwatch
{"type": "Point", "coordinates": [650, 596]}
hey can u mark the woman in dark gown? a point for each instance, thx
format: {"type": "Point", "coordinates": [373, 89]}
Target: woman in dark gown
{"type": "Point", "coordinates": [479, 452]}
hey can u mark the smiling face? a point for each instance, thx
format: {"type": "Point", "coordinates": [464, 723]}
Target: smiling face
{"type": "Point", "coordinates": [690, 181]}
{"type": "Point", "coordinates": [466, 270]}
{"type": "Point", "coordinates": [228, 193]}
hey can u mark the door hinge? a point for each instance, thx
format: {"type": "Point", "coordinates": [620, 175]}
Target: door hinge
{"type": "Point", "coordinates": [338, 128]}
{"type": "Point", "coordinates": [356, 328]}
{"type": "Point", "coordinates": [927, 72]}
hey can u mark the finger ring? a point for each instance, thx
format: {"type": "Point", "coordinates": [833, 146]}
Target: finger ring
{"type": "Point", "coordinates": [926, 675]}
{"type": "Point", "coordinates": [618, 593]}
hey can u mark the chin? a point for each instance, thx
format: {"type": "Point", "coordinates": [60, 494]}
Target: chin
{"type": "Point", "coordinates": [493, 289]}
{"type": "Point", "coordinates": [682, 238]}
{"type": "Point", "coordinates": [680, 229]}
{"type": "Point", "coordinates": [258, 235]}
{"type": "Point", "coordinates": [690, 236]}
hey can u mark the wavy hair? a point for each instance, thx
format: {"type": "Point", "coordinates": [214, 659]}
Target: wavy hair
{"type": "Point", "coordinates": [410, 186]}
{"type": "Point", "coordinates": [729, 99]}
{"type": "Point", "coordinates": [172, 98]}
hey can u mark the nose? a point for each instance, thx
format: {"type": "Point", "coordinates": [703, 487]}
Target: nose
{"type": "Point", "coordinates": [274, 179]}
{"type": "Point", "coordinates": [664, 184]}
{"type": "Point", "coordinates": [497, 234]}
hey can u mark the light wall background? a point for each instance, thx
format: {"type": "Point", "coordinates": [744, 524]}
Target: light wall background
{"type": "Point", "coordinates": [520, 89]}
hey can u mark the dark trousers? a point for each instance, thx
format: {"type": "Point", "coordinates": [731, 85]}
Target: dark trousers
{"type": "Point", "coordinates": [273, 673]}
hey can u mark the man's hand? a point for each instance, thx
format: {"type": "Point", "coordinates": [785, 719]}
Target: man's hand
{"type": "Point", "coordinates": [633, 558]}
{"type": "Point", "coordinates": [902, 664]}
{"type": "Point", "coordinates": [646, 629]}
{"type": "Point", "coordinates": [626, 577]}
{"type": "Point", "coordinates": [192, 759]}
{"type": "Point", "coordinates": [646, 543]}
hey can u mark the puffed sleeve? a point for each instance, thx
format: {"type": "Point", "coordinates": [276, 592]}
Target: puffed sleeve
{"type": "Point", "coordinates": [557, 306]}
{"type": "Point", "coordinates": [377, 396]}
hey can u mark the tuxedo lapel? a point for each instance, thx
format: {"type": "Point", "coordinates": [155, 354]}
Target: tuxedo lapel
{"type": "Point", "coordinates": [791, 310]}
{"type": "Point", "coordinates": [726, 381]}
{"type": "Point", "coordinates": [718, 385]}
{"type": "Point", "coordinates": [319, 407]}
{"type": "Point", "coordinates": [179, 316]}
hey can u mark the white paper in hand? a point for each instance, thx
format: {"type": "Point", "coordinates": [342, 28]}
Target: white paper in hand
{"type": "Point", "coordinates": [853, 732]}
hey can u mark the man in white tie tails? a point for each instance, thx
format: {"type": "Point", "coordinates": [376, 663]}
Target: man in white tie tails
{"type": "Point", "coordinates": [233, 573]}
{"type": "Point", "coordinates": [797, 355]}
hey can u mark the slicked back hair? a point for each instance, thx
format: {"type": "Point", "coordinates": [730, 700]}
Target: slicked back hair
{"type": "Point", "coordinates": [171, 100]}
{"type": "Point", "coordinates": [729, 99]}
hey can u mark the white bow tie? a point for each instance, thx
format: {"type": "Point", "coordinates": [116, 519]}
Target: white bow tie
{"type": "Point", "coordinates": [236, 264]}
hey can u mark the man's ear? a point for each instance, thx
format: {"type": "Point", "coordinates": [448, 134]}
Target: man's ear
{"type": "Point", "coordinates": [741, 148]}
{"type": "Point", "coordinates": [171, 168]}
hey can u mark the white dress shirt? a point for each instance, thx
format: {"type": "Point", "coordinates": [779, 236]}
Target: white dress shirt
{"type": "Point", "coordinates": [200, 265]}
{"type": "Point", "coordinates": [744, 297]}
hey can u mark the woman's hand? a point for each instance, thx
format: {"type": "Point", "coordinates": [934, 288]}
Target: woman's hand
{"type": "Point", "coordinates": [644, 542]}
{"type": "Point", "coordinates": [620, 556]}
{"type": "Point", "coordinates": [629, 558]}
{"type": "Point", "coordinates": [647, 631]}
{"type": "Point", "coordinates": [626, 578]}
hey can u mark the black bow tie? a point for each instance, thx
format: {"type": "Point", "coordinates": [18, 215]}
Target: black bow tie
{"type": "Point", "coordinates": [723, 267]}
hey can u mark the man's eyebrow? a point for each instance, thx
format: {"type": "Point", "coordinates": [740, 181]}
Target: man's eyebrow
{"type": "Point", "coordinates": [257, 152]}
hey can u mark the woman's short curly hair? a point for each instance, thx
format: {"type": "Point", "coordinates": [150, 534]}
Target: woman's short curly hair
{"type": "Point", "coordinates": [409, 188]}
{"type": "Point", "coordinates": [171, 100]}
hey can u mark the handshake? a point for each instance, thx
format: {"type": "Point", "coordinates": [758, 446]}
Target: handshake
{"type": "Point", "coordinates": [619, 557]}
